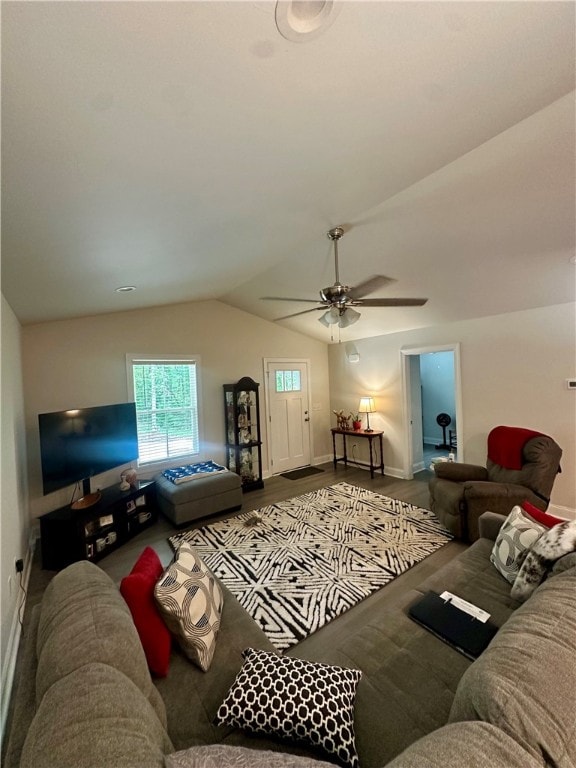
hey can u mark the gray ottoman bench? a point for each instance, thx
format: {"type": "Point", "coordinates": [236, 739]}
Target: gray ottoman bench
{"type": "Point", "coordinates": [201, 497]}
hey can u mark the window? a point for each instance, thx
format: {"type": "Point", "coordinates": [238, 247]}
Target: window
{"type": "Point", "coordinates": [288, 381]}
{"type": "Point", "coordinates": [165, 391]}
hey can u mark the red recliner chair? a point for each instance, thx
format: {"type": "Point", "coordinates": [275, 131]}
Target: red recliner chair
{"type": "Point", "coordinates": [521, 465]}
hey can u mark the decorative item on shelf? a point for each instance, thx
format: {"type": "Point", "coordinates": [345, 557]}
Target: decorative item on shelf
{"type": "Point", "coordinates": [342, 422]}
{"type": "Point", "coordinates": [244, 436]}
{"type": "Point", "coordinates": [356, 422]}
{"type": "Point", "coordinates": [367, 406]}
{"type": "Point", "coordinates": [246, 465]}
{"type": "Point", "coordinates": [124, 484]}
{"type": "Point", "coordinates": [131, 477]}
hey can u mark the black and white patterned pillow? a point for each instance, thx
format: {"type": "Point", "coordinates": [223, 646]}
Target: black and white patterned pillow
{"type": "Point", "coordinates": [190, 601]}
{"type": "Point", "coordinates": [295, 699]}
{"type": "Point", "coordinates": [517, 534]}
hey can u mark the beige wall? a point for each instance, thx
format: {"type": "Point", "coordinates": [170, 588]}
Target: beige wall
{"type": "Point", "coordinates": [514, 370]}
{"type": "Point", "coordinates": [81, 362]}
{"type": "Point", "coordinates": [14, 520]}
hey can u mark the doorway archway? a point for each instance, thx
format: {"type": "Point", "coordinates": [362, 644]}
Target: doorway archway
{"type": "Point", "coordinates": [412, 403]}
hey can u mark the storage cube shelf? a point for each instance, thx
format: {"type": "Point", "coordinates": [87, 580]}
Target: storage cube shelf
{"type": "Point", "coordinates": [68, 535]}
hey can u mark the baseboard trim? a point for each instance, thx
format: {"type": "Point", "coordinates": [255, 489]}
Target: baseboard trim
{"type": "Point", "coordinates": [14, 639]}
{"type": "Point", "coordinates": [399, 474]}
{"type": "Point", "coordinates": [564, 512]}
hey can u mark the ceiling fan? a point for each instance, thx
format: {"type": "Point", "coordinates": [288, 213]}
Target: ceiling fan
{"type": "Point", "coordinates": [337, 301]}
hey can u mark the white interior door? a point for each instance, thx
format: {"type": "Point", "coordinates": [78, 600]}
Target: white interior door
{"type": "Point", "coordinates": [288, 415]}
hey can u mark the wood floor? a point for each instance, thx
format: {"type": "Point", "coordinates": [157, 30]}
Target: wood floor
{"type": "Point", "coordinates": [120, 562]}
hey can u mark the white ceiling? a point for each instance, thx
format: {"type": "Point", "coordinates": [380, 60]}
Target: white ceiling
{"type": "Point", "coordinates": [189, 149]}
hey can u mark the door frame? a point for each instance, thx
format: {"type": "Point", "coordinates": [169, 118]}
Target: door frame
{"type": "Point", "coordinates": [266, 362]}
{"type": "Point", "coordinates": [405, 354]}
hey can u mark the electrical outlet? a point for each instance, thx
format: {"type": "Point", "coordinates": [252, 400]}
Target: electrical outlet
{"type": "Point", "coordinates": [19, 565]}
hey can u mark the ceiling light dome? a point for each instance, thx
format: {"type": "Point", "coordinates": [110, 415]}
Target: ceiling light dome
{"type": "Point", "coordinates": [301, 20]}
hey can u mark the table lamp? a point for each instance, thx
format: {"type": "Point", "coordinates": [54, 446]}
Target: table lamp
{"type": "Point", "coordinates": [367, 406]}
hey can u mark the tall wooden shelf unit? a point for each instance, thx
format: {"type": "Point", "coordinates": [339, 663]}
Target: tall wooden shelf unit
{"type": "Point", "coordinates": [243, 441]}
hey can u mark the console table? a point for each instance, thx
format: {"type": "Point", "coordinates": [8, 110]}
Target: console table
{"type": "Point", "coordinates": [361, 433]}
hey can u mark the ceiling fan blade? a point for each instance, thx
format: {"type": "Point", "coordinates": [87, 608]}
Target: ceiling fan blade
{"type": "Point", "coordinates": [284, 298]}
{"type": "Point", "coordinates": [295, 314]}
{"type": "Point", "coordinates": [369, 286]}
{"type": "Point", "coordinates": [392, 302]}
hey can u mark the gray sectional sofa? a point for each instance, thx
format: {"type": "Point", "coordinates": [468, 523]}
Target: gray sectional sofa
{"type": "Point", "coordinates": [88, 700]}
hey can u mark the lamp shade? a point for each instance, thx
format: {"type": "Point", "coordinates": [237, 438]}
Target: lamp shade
{"type": "Point", "coordinates": [366, 405]}
{"type": "Point", "coordinates": [330, 317]}
{"type": "Point", "coordinates": [348, 317]}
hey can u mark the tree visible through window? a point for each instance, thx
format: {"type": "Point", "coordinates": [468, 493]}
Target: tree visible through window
{"type": "Point", "coordinates": [166, 396]}
{"type": "Point", "coordinates": [288, 381]}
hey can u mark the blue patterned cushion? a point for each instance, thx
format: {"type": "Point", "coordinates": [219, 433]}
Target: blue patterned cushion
{"type": "Point", "coordinates": [191, 471]}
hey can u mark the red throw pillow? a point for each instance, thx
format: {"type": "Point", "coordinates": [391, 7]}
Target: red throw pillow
{"type": "Point", "coordinates": [137, 589]}
{"type": "Point", "coordinates": [541, 517]}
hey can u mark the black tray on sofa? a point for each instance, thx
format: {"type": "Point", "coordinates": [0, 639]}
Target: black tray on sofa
{"type": "Point", "coordinates": [462, 631]}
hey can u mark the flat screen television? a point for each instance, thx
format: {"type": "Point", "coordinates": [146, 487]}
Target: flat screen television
{"type": "Point", "coordinates": [77, 444]}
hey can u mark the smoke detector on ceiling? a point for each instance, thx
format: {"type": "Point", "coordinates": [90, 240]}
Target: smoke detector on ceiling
{"type": "Point", "coordinates": [302, 20]}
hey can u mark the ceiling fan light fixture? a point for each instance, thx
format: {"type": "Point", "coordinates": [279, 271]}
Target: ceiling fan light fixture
{"type": "Point", "coordinates": [330, 317]}
{"type": "Point", "coordinates": [348, 317]}
{"type": "Point", "coordinates": [336, 300]}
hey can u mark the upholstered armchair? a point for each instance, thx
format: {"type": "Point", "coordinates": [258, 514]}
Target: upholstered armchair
{"type": "Point", "coordinates": [521, 465]}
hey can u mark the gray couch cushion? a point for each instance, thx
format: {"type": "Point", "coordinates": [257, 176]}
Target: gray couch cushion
{"type": "Point", "coordinates": [84, 617]}
{"type": "Point", "coordinates": [95, 717]}
{"type": "Point", "coordinates": [466, 745]}
{"type": "Point", "coordinates": [409, 678]}
{"type": "Point", "coordinates": [192, 696]}
{"type": "Point", "coordinates": [222, 756]}
{"type": "Point", "coordinates": [525, 682]}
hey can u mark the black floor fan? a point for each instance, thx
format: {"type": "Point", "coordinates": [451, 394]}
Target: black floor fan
{"type": "Point", "coordinates": [443, 420]}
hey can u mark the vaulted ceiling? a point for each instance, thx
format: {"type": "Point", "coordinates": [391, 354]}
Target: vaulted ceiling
{"type": "Point", "coordinates": [191, 150]}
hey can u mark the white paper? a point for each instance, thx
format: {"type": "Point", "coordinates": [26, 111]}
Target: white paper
{"type": "Point", "coordinates": [465, 606]}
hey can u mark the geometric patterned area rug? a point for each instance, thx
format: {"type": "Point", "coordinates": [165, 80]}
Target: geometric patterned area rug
{"type": "Point", "coordinates": [311, 558]}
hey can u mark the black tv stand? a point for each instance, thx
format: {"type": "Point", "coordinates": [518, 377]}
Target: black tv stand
{"type": "Point", "coordinates": [92, 532]}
